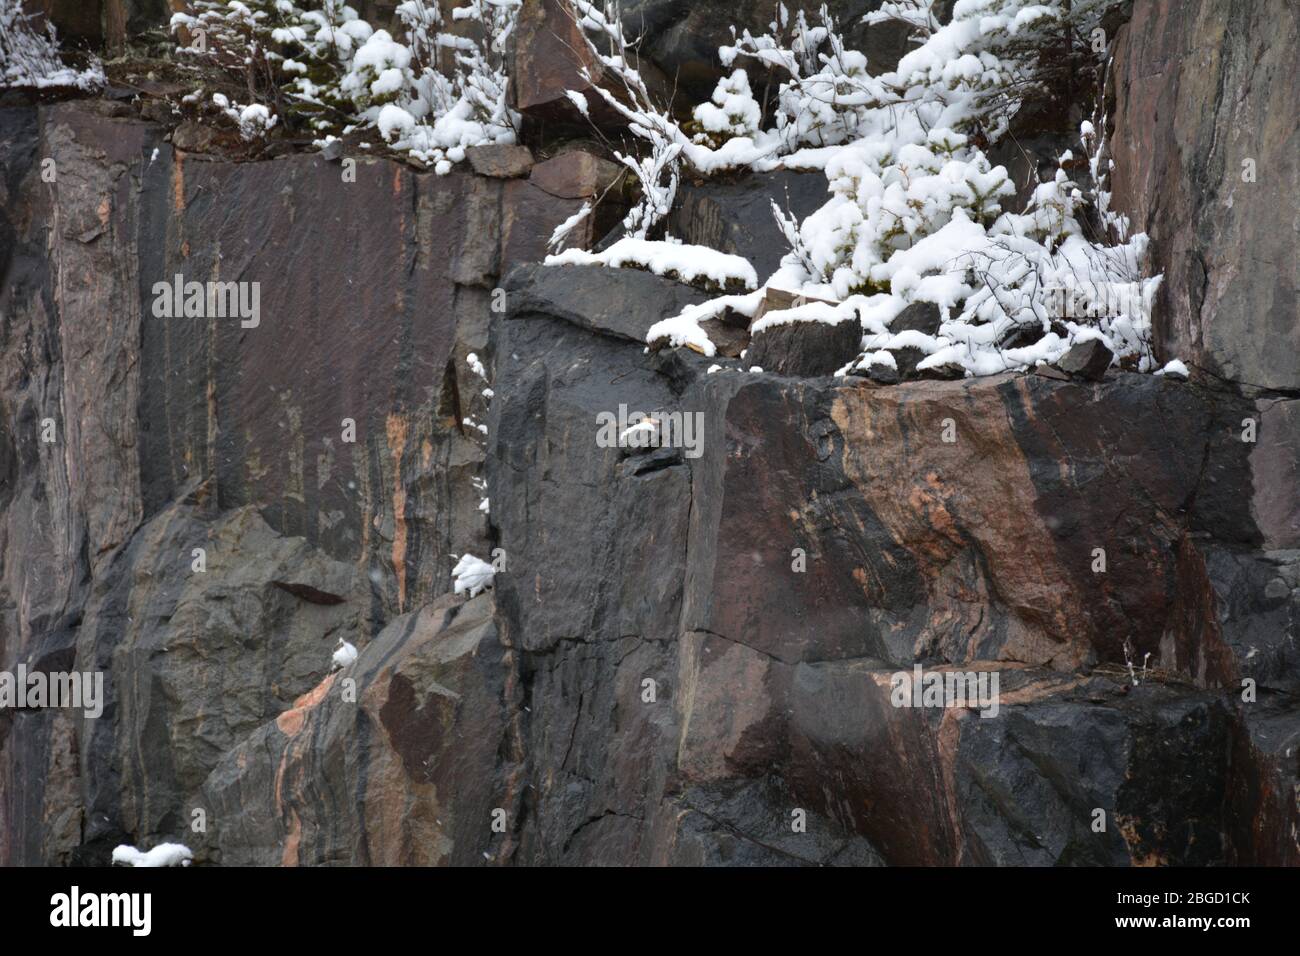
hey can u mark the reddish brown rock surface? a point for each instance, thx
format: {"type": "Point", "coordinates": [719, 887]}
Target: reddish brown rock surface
{"type": "Point", "coordinates": [1206, 98]}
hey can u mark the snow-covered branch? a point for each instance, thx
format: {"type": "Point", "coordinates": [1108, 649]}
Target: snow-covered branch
{"type": "Point", "coordinates": [432, 96]}
{"type": "Point", "coordinates": [30, 58]}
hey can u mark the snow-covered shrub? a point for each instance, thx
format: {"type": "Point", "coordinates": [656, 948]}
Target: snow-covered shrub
{"type": "Point", "coordinates": [561, 233]}
{"type": "Point", "coordinates": [1039, 271]}
{"type": "Point", "coordinates": [423, 24]}
{"type": "Point", "coordinates": [319, 63]}
{"type": "Point", "coordinates": [481, 75]}
{"type": "Point", "coordinates": [29, 58]}
{"type": "Point", "coordinates": [825, 89]}
{"type": "Point", "coordinates": [292, 57]}
{"type": "Point", "coordinates": [1013, 289]}
{"type": "Point", "coordinates": [461, 100]}
{"type": "Point", "coordinates": [380, 72]}
{"type": "Point", "coordinates": [659, 169]}
{"type": "Point", "coordinates": [916, 208]}
{"type": "Point", "coordinates": [970, 75]}
{"type": "Point", "coordinates": [925, 225]}
{"type": "Point", "coordinates": [1035, 49]}
{"type": "Point", "coordinates": [917, 14]}
{"type": "Point", "coordinates": [253, 120]}
{"type": "Point", "coordinates": [659, 174]}
{"type": "Point", "coordinates": [733, 111]}
{"type": "Point", "coordinates": [885, 199]}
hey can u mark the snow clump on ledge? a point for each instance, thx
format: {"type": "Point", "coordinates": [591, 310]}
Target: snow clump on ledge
{"type": "Point", "coordinates": [164, 854]}
{"type": "Point", "coordinates": [472, 574]}
{"type": "Point", "coordinates": [676, 260]}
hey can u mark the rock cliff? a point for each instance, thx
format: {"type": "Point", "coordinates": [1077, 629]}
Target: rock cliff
{"type": "Point", "coordinates": [681, 654]}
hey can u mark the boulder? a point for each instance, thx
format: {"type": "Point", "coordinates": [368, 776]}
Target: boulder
{"type": "Point", "coordinates": [1087, 360]}
{"type": "Point", "coordinates": [944, 372]}
{"type": "Point", "coordinates": [550, 56]}
{"type": "Point", "coordinates": [575, 174]}
{"type": "Point", "coordinates": [194, 137]}
{"type": "Point", "coordinates": [729, 340]}
{"type": "Point", "coordinates": [881, 373]}
{"type": "Point", "coordinates": [1052, 372]}
{"type": "Point", "coordinates": [623, 303]}
{"type": "Point", "coordinates": [906, 358]}
{"type": "Point", "coordinates": [500, 161]}
{"type": "Point", "coordinates": [331, 151]}
{"type": "Point", "coordinates": [736, 217]}
{"type": "Point", "coordinates": [805, 348]}
{"type": "Point", "coordinates": [921, 317]}
{"type": "Point", "coordinates": [778, 300]}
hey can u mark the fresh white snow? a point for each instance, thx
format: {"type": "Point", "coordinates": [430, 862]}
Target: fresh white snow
{"type": "Point", "coordinates": [164, 854]}
{"type": "Point", "coordinates": [30, 57]}
{"type": "Point", "coordinates": [344, 654]}
{"type": "Point", "coordinates": [916, 209]}
{"type": "Point", "coordinates": [432, 94]}
{"type": "Point", "coordinates": [680, 261]}
{"type": "Point", "coordinates": [472, 575]}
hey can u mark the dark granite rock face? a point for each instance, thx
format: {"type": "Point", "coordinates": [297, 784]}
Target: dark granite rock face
{"type": "Point", "coordinates": [1226, 80]}
{"type": "Point", "coordinates": [977, 553]}
{"type": "Point", "coordinates": [682, 38]}
{"type": "Point", "coordinates": [804, 348]}
{"type": "Point", "coordinates": [550, 58]}
{"type": "Point", "coordinates": [395, 760]}
{"type": "Point", "coordinates": [736, 217]}
{"type": "Point", "coordinates": [333, 424]}
{"type": "Point", "coordinates": [621, 303]}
